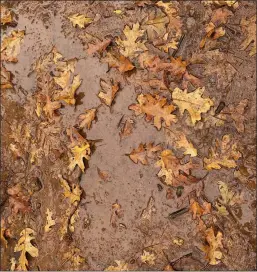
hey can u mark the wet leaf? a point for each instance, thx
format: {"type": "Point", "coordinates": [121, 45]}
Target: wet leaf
{"type": "Point", "coordinates": [98, 47]}
{"type": "Point", "coordinates": [73, 192]}
{"type": "Point", "coordinates": [230, 3]}
{"type": "Point", "coordinates": [148, 212]}
{"type": "Point", "coordinates": [143, 152]}
{"type": "Point", "coordinates": [186, 145]}
{"type": "Point", "coordinates": [110, 91]}
{"type": "Point", "coordinates": [199, 210]}
{"type": "Point", "coordinates": [104, 175]}
{"type": "Point", "coordinates": [225, 154]}
{"type": "Point", "coordinates": [80, 20]}
{"type": "Point", "coordinates": [73, 220]}
{"type": "Point", "coordinates": [117, 213]}
{"type": "Point", "coordinates": [155, 108]}
{"type": "Point", "coordinates": [24, 246]}
{"type": "Point", "coordinates": [127, 128]}
{"type": "Point", "coordinates": [6, 79]}
{"type": "Point", "coordinates": [249, 26]}
{"type": "Point", "coordinates": [49, 221]}
{"type": "Point", "coordinates": [193, 102]}
{"type": "Point", "coordinates": [86, 119]}
{"type": "Point", "coordinates": [10, 46]}
{"type": "Point", "coordinates": [212, 250]}
{"type": "Point", "coordinates": [130, 47]}
{"type": "Point", "coordinates": [50, 107]}
{"type": "Point", "coordinates": [148, 258]}
{"type": "Point", "coordinates": [74, 257]}
{"type": "Point", "coordinates": [120, 266]}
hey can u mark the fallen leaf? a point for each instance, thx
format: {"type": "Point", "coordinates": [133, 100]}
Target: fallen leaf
{"type": "Point", "coordinates": [80, 20]}
{"type": "Point", "coordinates": [86, 119]}
{"type": "Point", "coordinates": [230, 3]}
{"type": "Point", "coordinates": [168, 267]}
{"type": "Point", "coordinates": [148, 258]}
{"type": "Point", "coordinates": [49, 221]}
{"type": "Point", "coordinates": [155, 108]}
{"type": "Point", "coordinates": [73, 193]}
{"type": "Point", "coordinates": [143, 151]}
{"type": "Point", "coordinates": [13, 264]}
{"type": "Point", "coordinates": [199, 210]}
{"type": "Point", "coordinates": [249, 26]}
{"type": "Point", "coordinates": [6, 16]}
{"type": "Point", "coordinates": [131, 47]}
{"type": "Point", "coordinates": [6, 79]}
{"type": "Point", "coordinates": [148, 212]}
{"type": "Point", "coordinates": [212, 250]}
{"type": "Point", "coordinates": [110, 91]}
{"type": "Point", "coordinates": [10, 46]}
{"type": "Point", "coordinates": [192, 102]}
{"type": "Point", "coordinates": [73, 219]}
{"type": "Point", "coordinates": [117, 213]}
{"type": "Point", "coordinates": [127, 128]}
{"type": "Point", "coordinates": [120, 266]}
{"type": "Point", "coordinates": [73, 256]}
{"type": "Point", "coordinates": [98, 47]}
{"type": "Point", "coordinates": [50, 107]}
{"type": "Point", "coordinates": [104, 175]}
{"type": "Point", "coordinates": [171, 169]}
{"type": "Point", "coordinates": [225, 153]}
{"type": "Point", "coordinates": [3, 229]}
{"type": "Point", "coordinates": [178, 241]}
{"type": "Point", "coordinates": [186, 145]}
{"type": "Point", "coordinates": [24, 246]}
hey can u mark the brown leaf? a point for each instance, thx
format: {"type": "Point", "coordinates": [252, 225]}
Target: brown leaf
{"type": "Point", "coordinates": [50, 107]}
{"type": "Point", "coordinates": [148, 212]}
{"type": "Point", "coordinates": [86, 119]}
{"type": "Point", "coordinates": [6, 78]}
{"type": "Point", "coordinates": [250, 27]}
{"type": "Point", "coordinates": [155, 108]}
{"type": "Point", "coordinates": [98, 47]}
{"type": "Point", "coordinates": [104, 175]}
{"type": "Point", "coordinates": [117, 213]}
{"type": "Point", "coordinates": [6, 16]}
{"type": "Point", "coordinates": [109, 93]}
{"type": "Point", "coordinates": [127, 128]}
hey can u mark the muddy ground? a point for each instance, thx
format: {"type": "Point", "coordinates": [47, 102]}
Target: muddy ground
{"type": "Point", "coordinates": [131, 185]}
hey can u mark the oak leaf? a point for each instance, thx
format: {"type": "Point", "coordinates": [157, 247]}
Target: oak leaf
{"type": "Point", "coordinates": [10, 46]}
{"type": "Point", "coordinates": [80, 20]}
{"type": "Point", "coordinates": [226, 156]}
{"type": "Point", "coordinates": [143, 151]}
{"type": "Point", "coordinates": [199, 210]}
{"type": "Point", "coordinates": [212, 250]}
{"type": "Point", "coordinates": [49, 220]}
{"type": "Point", "coordinates": [155, 108]}
{"type": "Point", "coordinates": [110, 91]}
{"type": "Point", "coordinates": [51, 106]}
{"type": "Point", "coordinates": [131, 47]}
{"type": "Point", "coordinates": [193, 102]}
{"type": "Point", "coordinates": [148, 258]}
{"type": "Point", "coordinates": [230, 3]}
{"type": "Point", "coordinates": [73, 256]}
{"type": "Point", "coordinates": [250, 27]}
{"type": "Point", "coordinates": [98, 47]}
{"type": "Point", "coordinates": [120, 266]}
{"type": "Point", "coordinates": [182, 142]}
{"type": "Point", "coordinates": [86, 119]}
{"type": "Point", "coordinates": [73, 193]}
{"type": "Point", "coordinates": [24, 246]}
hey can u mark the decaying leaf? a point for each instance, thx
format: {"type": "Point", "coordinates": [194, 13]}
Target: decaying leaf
{"type": "Point", "coordinates": [24, 246]}
{"type": "Point", "coordinates": [6, 79]}
{"type": "Point", "coordinates": [225, 154]}
{"type": "Point", "coordinates": [143, 152]}
{"type": "Point", "coordinates": [127, 128]}
{"type": "Point", "coordinates": [173, 171]}
{"type": "Point", "coordinates": [155, 108]}
{"type": "Point", "coordinates": [120, 266]}
{"type": "Point", "coordinates": [178, 241]}
{"type": "Point", "coordinates": [98, 47]}
{"type": "Point", "coordinates": [73, 219]}
{"type": "Point", "coordinates": [230, 3]}
{"type": "Point", "coordinates": [86, 119]}
{"type": "Point", "coordinates": [10, 46]}
{"type": "Point", "coordinates": [73, 192]}
{"type": "Point", "coordinates": [199, 210]}
{"type": "Point", "coordinates": [80, 20]}
{"type": "Point", "coordinates": [250, 27]}
{"type": "Point", "coordinates": [104, 175]}
{"type": "Point", "coordinates": [3, 229]}
{"type": "Point", "coordinates": [212, 250]}
{"type": "Point", "coordinates": [131, 47]}
{"type": "Point", "coordinates": [193, 102]}
{"type": "Point", "coordinates": [6, 16]}
{"type": "Point", "coordinates": [182, 142]}
{"type": "Point", "coordinates": [117, 213]}
{"type": "Point", "coordinates": [50, 107]}
{"type": "Point", "coordinates": [109, 93]}
{"type": "Point", "coordinates": [73, 256]}
{"type": "Point", "coordinates": [118, 61]}
{"type": "Point", "coordinates": [49, 220]}
{"type": "Point", "coordinates": [148, 212]}
{"type": "Point", "coordinates": [148, 258]}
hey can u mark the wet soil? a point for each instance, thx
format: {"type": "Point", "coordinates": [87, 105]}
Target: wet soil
{"type": "Point", "coordinates": [130, 184]}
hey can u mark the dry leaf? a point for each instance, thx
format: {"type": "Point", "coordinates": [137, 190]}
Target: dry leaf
{"type": "Point", "coordinates": [212, 251]}
{"type": "Point", "coordinates": [224, 154]}
{"type": "Point", "coordinates": [192, 102]}
{"type": "Point", "coordinates": [155, 108]}
{"type": "Point", "coordinates": [109, 93]}
{"type": "Point", "coordinates": [6, 78]}
{"type": "Point", "coordinates": [73, 219]}
{"type": "Point", "coordinates": [127, 128]}
{"type": "Point", "coordinates": [50, 107]}
{"type": "Point", "coordinates": [98, 47]}
{"type": "Point", "coordinates": [24, 246]}
{"type": "Point", "coordinates": [104, 175]}
{"type": "Point", "coordinates": [6, 16]}
{"type": "Point", "coordinates": [120, 62]}
{"type": "Point", "coordinates": [80, 20]}
{"type": "Point", "coordinates": [143, 151]}
{"type": "Point", "coordinates": [73, 193]}
{"type": "Point", "coordinates": [131, 47]}
{"type": "Point", "coordinates": [117, 213]}
{"type": "Point", "coordinates": [171, 169]}
{"type": "Point", "coordinates": [186, 145]}
{"type": "Point", "coordinates": [86, 119]}
{"type": "Point", "coordinates": [249, 26]}
{"type": "Point", "coordinates": [10, 46]}
{"type": "Point", "coordinates": [13, 264]}
{"type": "Point", "coordinates": [149, 210]}
{"type": "Point", "coordinates": [230, 3]}
{"type": "Point", "coordinates": [178, 241]}
{"type": "Point", "coordinates": [49, 221]}
{"type": "Point", "coordinates": [74, 257]}
{"type": "Point", "coordinates": [120, 266]}
{"type": "Point", "coordinates": [148, 258]}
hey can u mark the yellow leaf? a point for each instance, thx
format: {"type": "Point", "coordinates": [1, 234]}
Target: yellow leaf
{"type": "Point", "coordinates": [226, 156]}
{"type": "Point", "coordinates": [73, 219]}
{"type": "Point", "coordinates": [6, 16]}
{"type": "Point", "coordinates": [131, 47]}
{"type": "Point", "coordinates": [73, 193]}
{"type": "Point", "coordinates": [120, 266]}
{"type": "Point", "coordinates": [80, 20]}
{"type": "Point", "coordinates": [118, 11]}
{"type": "Point", "coordinates": [86, 119]}
{"type": "Point", "coordinates": [6, 78]}
{"type": "Point", "coordinates": [74, 258]}
{"type": "Point", "coordinates": [13, 264]}
{"type": "Point", "coordinates": [230, 3]}
{"type": "Point", "coordinates": [49, 221]}
{"type": "Point", "coordinates": [178, 241]}
{"type": "Point", "coordinates": [186, 145]}
{"type": "Point", "coordinates": [10, 47]}
{"type": "Point", "coordinates": [192, 102]}
{"type": "Point", "coordinates": [109, 92]}
{"type": "Point", "coordinates": [250, 27]}
{"type": "Point", "coordinates": [148, 258]}
{"type": "Point", "coordinates": [24, 246]}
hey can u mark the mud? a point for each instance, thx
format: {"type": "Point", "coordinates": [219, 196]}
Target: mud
{"type": "Point", "coordinates": [131, 185]}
